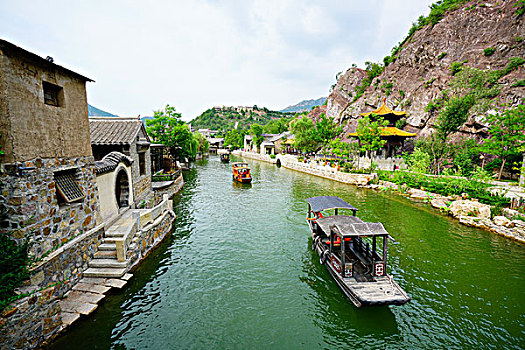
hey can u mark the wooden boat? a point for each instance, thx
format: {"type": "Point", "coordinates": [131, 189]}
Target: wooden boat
{"type": "Point", "coordinates": [225, 157]}
{"type": "Point", "coordinates": [348, 248]}
{"type": "Point", "coordinates": [241, 172]}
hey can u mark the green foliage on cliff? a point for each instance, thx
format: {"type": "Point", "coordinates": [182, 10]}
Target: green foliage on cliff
{"type": "Point", "coordinates": [372, 71]}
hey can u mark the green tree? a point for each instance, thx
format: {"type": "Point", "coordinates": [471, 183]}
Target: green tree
{"type": "Point", "coordinates": [369, 131]}
{"type": "Point", "coordinates": [203, 143]}
{"type": "Point", "coordinates": [326, 130]}
{"type": "Point", "coordinates": [340, 148]}
{"type": "Point", "coordinates": [507, 134]}
{"type": "Point", "coordinates": [256, 130]}
{"type": "Point", "coordinates": [419, 161]}
{"type": "Point", "coordinates": [235, 138]}
{"type": "Point", "coordinates": [167, 128]}
{"type": "Point", "coordinates": [305, 134]}
{"type": "Point", "coordinates": [276, 126]}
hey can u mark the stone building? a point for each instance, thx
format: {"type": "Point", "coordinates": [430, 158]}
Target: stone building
{"type": "Point", "coordinates": [48, 186]}
{"type": "Point", "coordinates": [127, 136]}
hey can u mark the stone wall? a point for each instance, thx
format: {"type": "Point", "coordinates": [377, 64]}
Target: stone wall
{"type": "Point", "coordinates": [171, 190]}
{"type": "Point", "coordinates": [28, 322]}
{"type": "Point", "coordinates": [382, 163]}
{"type": "Point", "coordinates": [330, 173]}
{"type": "Point", "coordinates": [149, 237]}
{"type": "Point", "coordinates": [31, 128]}
{"type": "Point", "coordinates": [35, 318]}
{"type": "Point", "coordinates": [143, 192]}
{"type": "Point", "coordinates": [30, 199]}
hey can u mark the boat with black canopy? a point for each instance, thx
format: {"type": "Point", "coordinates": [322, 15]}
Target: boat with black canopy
{"type": "Point", "coordinates": [348, 247]}
{"type": "Point", "coordinates": [225, 157]}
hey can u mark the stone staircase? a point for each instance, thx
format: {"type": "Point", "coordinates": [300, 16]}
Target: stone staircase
{"type": "Point", "coordinates": [105, 263]}
{"type": "Point", "coordinates": [104, 272]}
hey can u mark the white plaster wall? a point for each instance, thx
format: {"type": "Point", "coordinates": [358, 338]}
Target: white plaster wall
{"type": "Point", "coordinates": [106, 192]}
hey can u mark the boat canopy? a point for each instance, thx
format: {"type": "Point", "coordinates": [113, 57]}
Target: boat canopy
{"type": "Point", "coordinates": [327, 222]}
{"type": "Point", "coordinates": [347, 229]}
{"type": "Point", "coordinates": [240, 165]}
{"type": "Point", "coordinates": [328, 202]}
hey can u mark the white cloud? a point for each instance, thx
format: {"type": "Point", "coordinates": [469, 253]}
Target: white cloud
{"type": "Point", "coordinates": [196, 54]}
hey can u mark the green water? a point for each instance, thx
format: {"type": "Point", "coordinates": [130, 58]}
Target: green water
{"type": "Point", "coordinates": [238, 273]}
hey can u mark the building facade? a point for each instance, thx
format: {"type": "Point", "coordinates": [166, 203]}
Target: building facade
{"type": "Point", "coordinates": [127, 136]}
{"type": "Point", "coordinates": [48, 187]}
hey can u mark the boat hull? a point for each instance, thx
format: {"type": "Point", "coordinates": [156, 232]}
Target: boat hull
{"type": "Point", "coordinates": [382, 291]}
{"type": "Point", "coordinates": [244, 180]}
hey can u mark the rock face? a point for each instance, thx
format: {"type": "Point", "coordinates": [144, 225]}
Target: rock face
{"type": "Point", "coordinates": [469, 208]}
{"type": "Point", "coordinates": [421, 69]}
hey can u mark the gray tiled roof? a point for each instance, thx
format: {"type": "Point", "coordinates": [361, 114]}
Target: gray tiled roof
{"type": "Point", "coordinates": [110, 162]}
{"type": "Point", "coordinates": [114, 131]}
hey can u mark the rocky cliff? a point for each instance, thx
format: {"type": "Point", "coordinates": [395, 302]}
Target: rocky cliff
{"type": "Point", "coordinates": [485, 35]}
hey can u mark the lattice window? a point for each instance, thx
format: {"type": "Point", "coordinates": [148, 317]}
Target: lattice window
{"type": "Point", "coordinates": [67, 187]}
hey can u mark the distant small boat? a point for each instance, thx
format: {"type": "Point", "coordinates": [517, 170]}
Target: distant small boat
{"type": "Point", "coordinates": [241, 172]}
{"type": "Point", "coordinates": [350, 250]}
{"type": "Point", "coordinates": [225, 157]}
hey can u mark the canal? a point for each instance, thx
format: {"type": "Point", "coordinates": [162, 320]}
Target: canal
{"type": "Point", "coordinates": [238, 273]}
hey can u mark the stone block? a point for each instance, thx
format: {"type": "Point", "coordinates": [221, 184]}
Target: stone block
{"type": "Point", "coordinates": [469, 208]}
{"type": "Point", "coordinates": [502, 221]}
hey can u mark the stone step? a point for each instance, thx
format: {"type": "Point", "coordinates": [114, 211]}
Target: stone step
{"type": "Point", "coordinates": [92, 288]}
{"type": "Point", "coordinates": [114, 234]}
{"type": "Point", "coordinates": [113, 263]}
{"type": "Point", "coordinates": [104, 272]}
{"type": "Point", "coordinates": [105, 254]}
{"type": "Point", "coordinates": [84, 297]}
{"type": "Point", "coordinates": [111, 240]}
{"type": "Point", "coordinates": [77, 307]}
{"type": "Point", "coordinates": [107, 246]}
{"type": "Point", "coordinates": [106, 282]}
{"type": "Point", "coordinates": [69, 317]}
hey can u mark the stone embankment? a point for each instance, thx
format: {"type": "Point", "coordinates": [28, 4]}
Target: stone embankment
{"type": "Point", "coordinates": [312, 168]}
{"type": "Point", "coordinates": [72, 280]}
{"type": "Point", "coordinates": [469, 212]}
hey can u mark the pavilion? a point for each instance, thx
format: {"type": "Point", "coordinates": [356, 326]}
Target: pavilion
{"type": "Point", "coordinates": [395, 138]}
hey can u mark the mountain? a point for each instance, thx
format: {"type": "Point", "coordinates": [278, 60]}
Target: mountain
{"type": "Point", "coordinates": [461, 47]}
{"type": "Point", "coordinates": [95, 112]}
{"type": "Point", "coordinates": [223, 118]}
{"type": "Point", "coordinates": [305, 105]}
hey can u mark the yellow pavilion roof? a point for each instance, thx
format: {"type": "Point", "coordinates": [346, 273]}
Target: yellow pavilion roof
{"type": "Point", "coordinates": [390, 131]}
{"type": "Point", "coordinates": [383, 110]}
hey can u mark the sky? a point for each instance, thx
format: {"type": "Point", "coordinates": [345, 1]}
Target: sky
{"type": "Point", "coordinates": [196, 54]}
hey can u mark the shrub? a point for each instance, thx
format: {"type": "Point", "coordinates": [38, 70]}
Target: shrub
{"type": "Point", "coordinates": [514, 63]}
{"type": "Point", "coordinates": [273, 156]}
{"type": "Point", "coordinates": [446, 186]}
{"type": "Point", "coordinates": [418, 161]}
{"type": "Point", "coordinates": [489, 51]}
{"type": "Point", "coordinates": [456, 67]}
{"type": "Point", "coordinates": [14, 267]}
{"type": "Point", "coordinates": [442, 55]}
{"type": "Point", "coordinates": [519, 83]}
